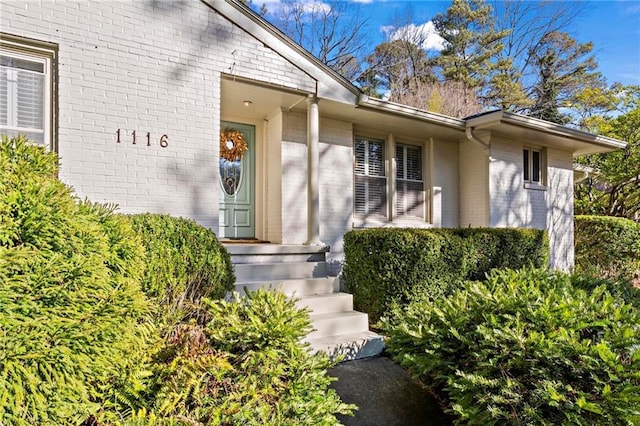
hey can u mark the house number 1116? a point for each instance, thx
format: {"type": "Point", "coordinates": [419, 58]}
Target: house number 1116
{"type": "Point", "coordinates": [163, 141]}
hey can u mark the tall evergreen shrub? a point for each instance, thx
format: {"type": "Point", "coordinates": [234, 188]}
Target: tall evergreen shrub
{"type": "Point", "coordinates": [70, 300]}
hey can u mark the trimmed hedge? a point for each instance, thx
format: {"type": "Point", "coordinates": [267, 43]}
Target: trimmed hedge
{"type": "Point", "coordinates": [71, 306]}
{"type": "Point", "coordinates": [525, 347]}
{"type": "Point", "coordinates": [386, 266]}
{"type": "Point", "coordinates": [607, 246]}
{"type": "Point", "coordinates": [185, 263]}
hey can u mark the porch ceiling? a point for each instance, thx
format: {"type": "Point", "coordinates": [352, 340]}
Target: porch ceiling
{"type": "Point", "coordinates": [265, 99]}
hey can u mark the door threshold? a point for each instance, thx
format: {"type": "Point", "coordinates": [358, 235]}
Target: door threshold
{"type": "Point", "coordinates": [243, 241]}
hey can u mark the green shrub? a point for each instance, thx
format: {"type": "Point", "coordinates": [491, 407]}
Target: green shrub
{"type": "Point", "coordinates": [608, 247]}
{"type": "Point", "coordinates": [386, 266]}
{"type": "Point", "coordinates": [245, 366]}
{"type": "Point", "coordinates": [70, 301]}
{"type": "Point", "coordinates": [185, 262]}
{"type": "Point", "coordinates": [525, 347]}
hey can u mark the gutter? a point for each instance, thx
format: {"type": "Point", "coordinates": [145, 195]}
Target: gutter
{"type": "Point", "coordinates": [365, 101]}
{"type": "Point", "coordinates": [472, 138]}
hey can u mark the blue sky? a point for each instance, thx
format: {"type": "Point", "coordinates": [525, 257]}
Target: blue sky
{"type": "Point", "coordinates": [612, 25]}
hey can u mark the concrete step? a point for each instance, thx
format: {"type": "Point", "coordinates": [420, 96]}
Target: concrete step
{"type": "Point", "coordinates": [299, 287]}
{"type": "Point", "coordinates": [350, 346]}
{"type": "Point", "coordinates": [268, 272]}
{"type": "Point", "coordinates": [275, 253]}
{"type": "Point", "coordinates": [333, 323]}
{"type": "Point", "coordinates": [324, 303]}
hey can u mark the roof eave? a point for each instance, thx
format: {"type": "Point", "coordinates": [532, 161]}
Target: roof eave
{"type": "Point", "coordinates": [390, 107]}
{"type": "Point", "coordinates": [236, 11]}
{"type": "Point", "coordinates": [499, 117]}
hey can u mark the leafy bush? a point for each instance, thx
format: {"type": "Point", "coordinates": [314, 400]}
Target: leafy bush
{"type": "Point", "coordinates": [185, 262]}
{"type": "Point", "coordinates": [245, 366]}
{"type": "Point", "coordinates": [70, 301]}
{"type": "Point", "coordinates": [383, 266]}
{"type": "Point", "coordinates": [525, 347]}
{"type": "Point", "coordinates": [608, 247]}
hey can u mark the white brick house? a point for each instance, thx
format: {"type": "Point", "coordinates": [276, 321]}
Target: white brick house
{"type": "Point", "coordinates": [133, 96]}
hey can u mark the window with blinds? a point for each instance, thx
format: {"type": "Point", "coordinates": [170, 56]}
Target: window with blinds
{"type": "Point", "coordinates": [409, 182]}
{"type": "Point", "coordinates": [23, 96]}
{"type": "Point", "coordinates": [370, 179]}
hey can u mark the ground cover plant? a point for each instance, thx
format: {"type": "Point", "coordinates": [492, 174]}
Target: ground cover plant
{"type": "Point", "coordinates": [525, 347]}
{"type": "Point", "coordinates": [246, 365]}
{"type": "Point", "coordinates": [71, 306]}
{"type": "Point", "coordinates": [387, 266]}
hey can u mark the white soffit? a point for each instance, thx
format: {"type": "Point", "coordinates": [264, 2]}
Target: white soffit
{"type": "Point", "coordinates": [543, 132]}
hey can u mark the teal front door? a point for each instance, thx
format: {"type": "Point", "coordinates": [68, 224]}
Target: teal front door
{"type": "Point", "coordinates": [237, 171]}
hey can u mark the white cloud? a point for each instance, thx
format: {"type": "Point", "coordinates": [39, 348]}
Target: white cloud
{"type": "Point", "coordinates": [424, 34]}
{"type": "Point", "coordinates": [363, 1]}
{"type": "Point", "coordinates": [275, 7]}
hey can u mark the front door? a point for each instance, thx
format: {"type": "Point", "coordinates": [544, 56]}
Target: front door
{"type": "Point", "coordinates": [237, 170]}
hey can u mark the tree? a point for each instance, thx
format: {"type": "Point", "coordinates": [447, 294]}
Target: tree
{"type": "Point", "coordinates": [396, 66]}
{"type": "Point", "coordinates": [563, 68]}
{"type": "Point", "coordinates": [527, 24]}
{"type": "Point", "coordinates": [615, 191]}
{"type": "Point", "coordinates": [334, 32]}
{"type": "Point", "coordinates": [443, 97]}
{"type": "Point", "coordinates": [472, 44]}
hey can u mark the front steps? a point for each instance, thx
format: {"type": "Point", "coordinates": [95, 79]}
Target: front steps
{"type": "Point", "coordinates": [301, 272]}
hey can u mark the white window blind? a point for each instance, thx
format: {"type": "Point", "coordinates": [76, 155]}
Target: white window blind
{"type": "Point", "coordinates": [409, 183]}
{"type": "Point", "coordinates": [370, 179]}
{"type": "Point", "coordinates": [23, 97]}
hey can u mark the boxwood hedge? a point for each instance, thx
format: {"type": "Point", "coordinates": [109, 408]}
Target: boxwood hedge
{"type": "Point", "coordinates": [608, 247]}
{"type": "Point", "coordinates": [384, 266]}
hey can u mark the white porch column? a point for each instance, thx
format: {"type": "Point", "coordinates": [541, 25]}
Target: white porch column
{"type": "Point", "coordinates": [313, 163]}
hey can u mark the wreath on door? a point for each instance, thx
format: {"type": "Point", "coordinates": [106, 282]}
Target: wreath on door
{"type": "Point", "coordinates": [232, 145]}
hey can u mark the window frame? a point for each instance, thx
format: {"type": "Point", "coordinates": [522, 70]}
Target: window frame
{"type": "Point", "coordinates": [40, 52]}
{"type": "Point", "coordinates": [529, 166]}
{"type": "Point", "coordinates": [393, 215]}
{"type": "Point", "coordinates": [367, 177]}
{"type": "Point", "coordinates": [404, 214]}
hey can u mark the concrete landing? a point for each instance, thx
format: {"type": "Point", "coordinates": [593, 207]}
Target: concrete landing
{"type": "Point", "coordinates": [385, 395]}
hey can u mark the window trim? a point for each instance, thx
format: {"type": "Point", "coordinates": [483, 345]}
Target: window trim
{"type": "Point", "coordinates": [528, 167]}
{"type": "Point", "coordinates": [366, 175]}
{"type": "Point", "coordinates": [396, 212]}
{"type": "Point", "coordinates": [393, 216]}
{"type": "Point", "coordinates": [46, 53]}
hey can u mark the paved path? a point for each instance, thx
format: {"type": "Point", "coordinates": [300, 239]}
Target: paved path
{"type": "Point", "coordinates": [385, 394]}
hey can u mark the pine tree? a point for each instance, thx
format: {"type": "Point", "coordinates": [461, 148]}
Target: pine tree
{"type": "Point", "coordinates": [472, 44]}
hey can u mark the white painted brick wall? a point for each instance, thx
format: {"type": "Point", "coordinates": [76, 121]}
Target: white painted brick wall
{"type": "Point", "coordinates": [512, 205]}
{"type": "Point", "coordinates": [474, 185]}
{"type": "Point", "coordinates": [151, 67]}
{"type": "Point", "coordinates": [445, 176]}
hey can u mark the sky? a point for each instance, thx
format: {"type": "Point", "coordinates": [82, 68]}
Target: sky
{"type": "Point", "coordinates": [613, 26]}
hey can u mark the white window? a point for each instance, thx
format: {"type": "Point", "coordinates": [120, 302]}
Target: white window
{"type": "Point", "coordinates": [370, 178]}
{"type": "Point", "coordinates": [26, 90]}
{"type": "Point", "coordinates": [409, 183]}
{"type": "Point", "coordinates": [534, 165]}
